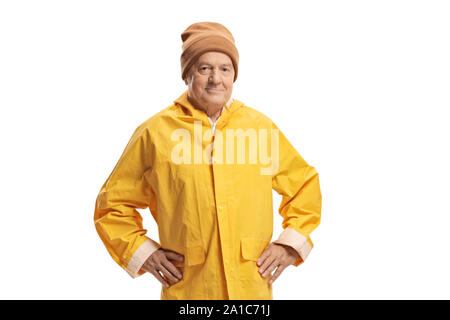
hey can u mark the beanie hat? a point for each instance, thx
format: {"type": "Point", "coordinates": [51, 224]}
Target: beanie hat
{"type": "Point", "coordinates": [201, 37]}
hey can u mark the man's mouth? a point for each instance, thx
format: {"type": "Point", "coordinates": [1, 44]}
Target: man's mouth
{"type": "Point", "coordinates": [213, 90]}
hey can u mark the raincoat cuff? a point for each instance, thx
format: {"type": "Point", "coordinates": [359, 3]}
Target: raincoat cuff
{"type": "Point", "coordinates": [142, 253]}
{"type": "Point", "coordinates": [297, 241]}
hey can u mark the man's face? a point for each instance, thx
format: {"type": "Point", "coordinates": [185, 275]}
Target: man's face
{"type": "Point", "coordinates": [210, 80]}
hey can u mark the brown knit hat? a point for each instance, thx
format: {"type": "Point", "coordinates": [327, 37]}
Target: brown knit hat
{"type": "Point", "coordinates": [201, 37]}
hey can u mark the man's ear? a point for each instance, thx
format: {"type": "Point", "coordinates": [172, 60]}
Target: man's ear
{"type": "Point", "coordinates": [188, 79]}
{"type": "Point", "coordinates": [188, 74]}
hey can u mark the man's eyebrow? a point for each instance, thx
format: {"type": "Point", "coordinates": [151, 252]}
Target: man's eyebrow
{"type": "Point", "coordinates": [209, 64]}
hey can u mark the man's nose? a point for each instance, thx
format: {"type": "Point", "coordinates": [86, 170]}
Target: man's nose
{"type": "Point", "coordinates": [214, 77]}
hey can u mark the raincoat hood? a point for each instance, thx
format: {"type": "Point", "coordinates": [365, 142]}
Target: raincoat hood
{"type": "Point", "coordinates": [190, 113]}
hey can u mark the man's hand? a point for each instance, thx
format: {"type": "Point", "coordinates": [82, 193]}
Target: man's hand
{"type": "Point", "coordinates": [159, 262]}
{"type": "Point", "coordinates": [276, 255]}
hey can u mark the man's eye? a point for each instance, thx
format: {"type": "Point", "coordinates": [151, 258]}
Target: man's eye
{"type": "Point", "coordinates": [226, 69]}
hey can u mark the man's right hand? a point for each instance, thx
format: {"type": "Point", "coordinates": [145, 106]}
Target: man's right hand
{"type": "Point", "coordinates": [159, 261]}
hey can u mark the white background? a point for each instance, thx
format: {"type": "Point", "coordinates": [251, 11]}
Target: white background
{"type": "Point", "coordinates": [360, 88]}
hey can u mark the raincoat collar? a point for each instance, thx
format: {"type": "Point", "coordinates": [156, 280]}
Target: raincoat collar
{"type": "Point", "coordinates": [189, 111]}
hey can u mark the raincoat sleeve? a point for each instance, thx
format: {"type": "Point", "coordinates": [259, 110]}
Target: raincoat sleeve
{"type": "Point", "coordinates": [116, 219]}
{"type": "Point", "coordinates": [298, 184]}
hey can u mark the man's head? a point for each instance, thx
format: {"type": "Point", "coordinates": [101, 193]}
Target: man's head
{"type": "Point", "coordinates": [209, 61]}
{"type": "Point", "coordinates": [210, 80]}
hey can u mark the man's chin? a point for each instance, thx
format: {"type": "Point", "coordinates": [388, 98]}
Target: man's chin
{"type": "Point", "coordinates": [215, 101]}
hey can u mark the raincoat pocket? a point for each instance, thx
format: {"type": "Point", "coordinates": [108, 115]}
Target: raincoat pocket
{"type": "Point", "coordinates": [195, 254]}
{"type": "Point", "coordinates": [251, 248]}
{"type": "Point", "coordinates": [252, 284]}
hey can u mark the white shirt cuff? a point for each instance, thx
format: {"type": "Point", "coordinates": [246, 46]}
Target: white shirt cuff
{"type": "Point", "coordinates": [295, 240]}
{"type": "Point", "coordinates": [142, 253]}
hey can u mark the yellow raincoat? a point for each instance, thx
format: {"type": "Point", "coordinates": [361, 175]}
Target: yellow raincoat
{"type": "Point", "coordinates": [219, 215]}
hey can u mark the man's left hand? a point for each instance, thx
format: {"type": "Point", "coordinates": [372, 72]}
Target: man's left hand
{"type": "Point", "coordinates": [276, 256]}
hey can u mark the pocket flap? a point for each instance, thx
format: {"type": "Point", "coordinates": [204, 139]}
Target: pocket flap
{"type": "Point", "coordinates": [252, 248]}
{"type": "Point", "coordinates": [195, 254]}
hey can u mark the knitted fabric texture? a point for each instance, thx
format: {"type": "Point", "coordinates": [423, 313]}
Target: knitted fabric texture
{"type": "Point", "coordinates": [202, 37]}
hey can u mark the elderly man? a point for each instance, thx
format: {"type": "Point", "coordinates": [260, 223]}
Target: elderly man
{"type": "Point", "coordinates": [205, 167]}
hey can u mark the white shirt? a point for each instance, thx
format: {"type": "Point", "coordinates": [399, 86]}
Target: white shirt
{"type": "Point", "coordinates": [213, 124]}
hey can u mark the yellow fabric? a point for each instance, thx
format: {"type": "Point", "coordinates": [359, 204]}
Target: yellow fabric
{"type": "Point", "coordinates": [219, 216]}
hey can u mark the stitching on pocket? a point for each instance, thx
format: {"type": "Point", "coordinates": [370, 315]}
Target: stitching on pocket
{"type": "Point", "coordinates": [251, 248]}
